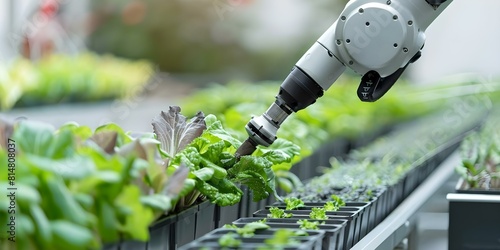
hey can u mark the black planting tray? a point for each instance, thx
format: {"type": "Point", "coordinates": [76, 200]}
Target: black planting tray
{"type": "Point", "coordinates": [474, 221]}
{"type": "Point", "coordinates": [353, 224]}
{"type": "Point", "coordinates": [363, 208]}
{"type": "Point", "coordinates": [334, 229]}
{"type": "Point", "coordinates": [313, 241]}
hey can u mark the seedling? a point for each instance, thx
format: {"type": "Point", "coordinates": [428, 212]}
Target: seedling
{"type": "Point", "coordinates": [481, 158]}
{"type": "Point", "coordinates": [277, 213]}
{"type": "Point", "coordinates": [282, 238]}
{"type": "Point", "coordinates": [308, 225]}
{"type": "Point", "coordinates": [318, 213]}
{"type": "Point", "coordinates": [249, 229]}
{"type": "Point", "coordinates": [335, 204]}
{"type": "Point", "coordinates": [229, 240]}
{"type": "Point", "coordinates": [293, 203]}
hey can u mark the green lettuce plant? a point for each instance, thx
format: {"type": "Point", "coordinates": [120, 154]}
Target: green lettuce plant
{"type": "Point", "coordinates": [79, 188]}
{"type": "Point", "coordinates": [104, 185]}
{"type": "Point", "coordinates": [308, 225]}
{"type": "Point", "coordinates": [277, 213]}
{"type": "Point", "coordinates": [318, 213]}
{"type": "Point", "coordinates": [207, 149]}
{"type": "Point", "coordinates": [293, 203]}
{"type": "Point", "coordinates": [249, 229]}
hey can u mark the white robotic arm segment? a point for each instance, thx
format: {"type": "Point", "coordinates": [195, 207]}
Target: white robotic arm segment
{"type": "Point", "coordinates": [375, 38]}
{"type": "Point", "coordinates": [321, 65]}
{"type": "Point", "coordinates": [380, 35]}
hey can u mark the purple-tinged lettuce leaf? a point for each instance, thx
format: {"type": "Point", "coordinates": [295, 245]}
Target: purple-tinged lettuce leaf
{"type": "Point", "coordinates": [176, 182]}
{"type": "Point", "coordinates": [106, 140]}
{"type": "Point", "coordinates": [175, 132]}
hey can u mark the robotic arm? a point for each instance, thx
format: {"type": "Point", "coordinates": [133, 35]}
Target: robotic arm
{"type": "Point", "coordinates": [375, 38]}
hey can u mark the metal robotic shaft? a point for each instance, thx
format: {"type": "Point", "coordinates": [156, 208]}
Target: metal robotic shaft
{"type": "Point", "coordinates": [297, 92]}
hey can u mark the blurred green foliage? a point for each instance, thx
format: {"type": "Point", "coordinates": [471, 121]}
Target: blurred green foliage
{"type": "Point", "coordinates": [177, 35]}
{"type": "Point", "coordinates": [63, 78]}
{"type": "Point", "coordinates": [339, 113]}
{"type": "Point", "coordinates": [192, 37]}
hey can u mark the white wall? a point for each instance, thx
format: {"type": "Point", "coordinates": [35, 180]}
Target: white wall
{"type": "Point", "coordinates": [464, 39]}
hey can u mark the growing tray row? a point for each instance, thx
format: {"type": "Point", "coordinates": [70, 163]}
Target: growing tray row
{"type": "Point", "coordinates": [344, 227]}
{"type": "Point", "coordinates": [477, 192]}
{"type": "Point", "coordinates": [306, 169]}
{"type": "Point", "coordinates": [179, 229]}
{"type": "Point", "coordinates": [175, 230]}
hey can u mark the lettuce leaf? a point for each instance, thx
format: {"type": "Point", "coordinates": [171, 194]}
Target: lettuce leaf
{"type": "Point", "coordinates": [207, 149]}
{"type": "Point", "coordinates": [256, 173]}
{"type": "Point", "coordinates": [175, 132]}
{"type": "Point", "coordinates": [222, 192]}
{"type": "Point", "coordinates": [281, 151]}
{"type": "Point", "coordinates": [214, 128]}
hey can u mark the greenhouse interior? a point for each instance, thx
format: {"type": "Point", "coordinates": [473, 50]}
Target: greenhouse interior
{"type": "Point", "coordinates": [249, 124]}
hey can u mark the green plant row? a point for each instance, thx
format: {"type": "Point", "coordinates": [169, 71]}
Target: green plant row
{"type": "Point", "coordinates": [77, 188]}
{"type": "Point", "coordinates": [339, 113]}
{"type": "Point", "coordinates": [64, 78]}
{"type": "Point", "coordinates": [105, 185]}
{"type": "Point", "coordinates": [480, 154]}
{"type": "Point", "coordinates": [387, 160]}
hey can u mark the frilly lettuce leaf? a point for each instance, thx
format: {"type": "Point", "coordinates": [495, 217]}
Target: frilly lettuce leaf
{"type": "Point", "coordinates": [256, 173]}
{"type": "Point", "coordinates": [221, 192]}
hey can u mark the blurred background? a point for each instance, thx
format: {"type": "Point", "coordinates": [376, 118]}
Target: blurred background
{"type": "Point", "coordinates": [197, 42]}
{"type": "Point", "coordinates": [251, 39]}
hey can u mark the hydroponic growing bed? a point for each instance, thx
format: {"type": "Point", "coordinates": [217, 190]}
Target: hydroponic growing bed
{"type": "Point", "coordinates": [366, 188]}
{"type": "Point", "coordinates": [180, 184]}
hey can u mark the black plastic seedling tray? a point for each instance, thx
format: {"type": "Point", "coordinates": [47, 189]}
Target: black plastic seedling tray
{"type": "Point", "coordinates": [185, 228]}
{"type": "Point", "coordinates": [226, 215]}
{"type": "Point", "coordinates": [352, 226]}
{"type": "Point", "coordinates": [363, 208]}
{"type": "Point", "coordinates": [334, 229]}
{"type": "Point", "coordinates": [474, 225]}
{"type": "Point", "coordinates": [474, 218]}
{"type": "Point", "coordinates": [162, 234]}
{"type": "Point", "coordinates": [206, 219]}
{"type": "Point", "coordinates": [313, 241]}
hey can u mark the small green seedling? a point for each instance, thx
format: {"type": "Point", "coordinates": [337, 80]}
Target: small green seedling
{"type": "Point", "coordinates": [277, 213]}
{"type": "Point", "coordinates": [318, 213]}
{"type": "Point", "coordinates": [293, 203]}
{"type": "Point", "coordinates": [308, 225]}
